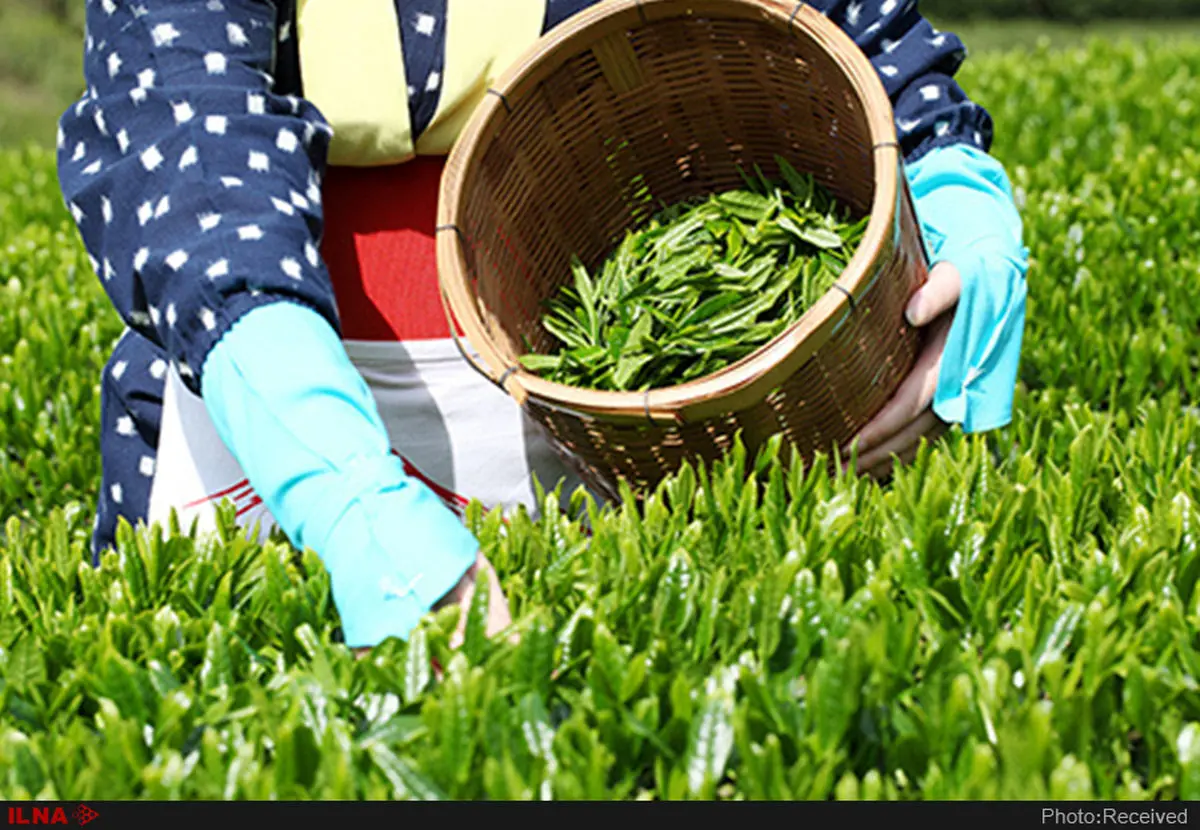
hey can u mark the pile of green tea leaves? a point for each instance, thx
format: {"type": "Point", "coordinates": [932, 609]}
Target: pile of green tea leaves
{"type": "Point", "coordinates": [704, 284]}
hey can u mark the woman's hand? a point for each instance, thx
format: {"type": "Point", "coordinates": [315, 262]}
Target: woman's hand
{"type": "Point", "coordinates": [896, 432]}
{"type": "Point", "coordinates": [463, 594]}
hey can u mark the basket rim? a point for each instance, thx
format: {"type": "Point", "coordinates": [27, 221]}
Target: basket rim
{"type": "Point", "coordinates": [750, 379]}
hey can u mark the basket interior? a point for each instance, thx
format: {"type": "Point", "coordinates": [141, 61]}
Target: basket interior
{"type": "Point", "coordinates": [636, 118]}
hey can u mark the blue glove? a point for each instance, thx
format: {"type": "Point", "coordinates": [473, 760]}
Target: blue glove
{"type": "Point", "coordinates": [300, 420]}
{"type": "Point", "coordinates": [965, 206]}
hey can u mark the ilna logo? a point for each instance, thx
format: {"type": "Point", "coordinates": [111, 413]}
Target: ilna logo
{"type": "Point", "coordinates": [82, 814]}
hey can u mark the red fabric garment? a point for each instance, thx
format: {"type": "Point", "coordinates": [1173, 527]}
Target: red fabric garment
{"type": "Point", "coordinates": [380, 247]}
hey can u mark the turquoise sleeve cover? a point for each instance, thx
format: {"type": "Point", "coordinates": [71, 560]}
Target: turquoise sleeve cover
{"type": "Point", "coordinates": [300, 420]}
{"type": "Point", "coordinates": [965, 207]}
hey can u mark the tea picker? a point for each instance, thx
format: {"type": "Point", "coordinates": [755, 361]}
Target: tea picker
{"type": "Point", "coordinates": [257, 186]}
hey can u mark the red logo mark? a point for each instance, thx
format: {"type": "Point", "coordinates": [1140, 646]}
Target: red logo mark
{"type": "Point", "coordinates": [50, 815]}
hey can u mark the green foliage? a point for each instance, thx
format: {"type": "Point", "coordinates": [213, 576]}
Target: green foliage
{"type": "Point", "coordinates": [41, 67]}
{"type": "Point", "coordinates": [1015, 616]}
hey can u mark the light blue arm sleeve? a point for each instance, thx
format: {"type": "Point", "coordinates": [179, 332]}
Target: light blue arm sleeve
{"type": "Point", "coordinates": [300, 420]}
{"type": "Point", "coordinates": [965, 206]}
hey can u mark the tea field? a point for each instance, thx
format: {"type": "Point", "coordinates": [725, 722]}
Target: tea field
{"type": "Point", "coordinates": [1015, 616]}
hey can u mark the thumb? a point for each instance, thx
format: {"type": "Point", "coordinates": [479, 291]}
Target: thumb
{"type": "Point", "coordinates": [936, 297]}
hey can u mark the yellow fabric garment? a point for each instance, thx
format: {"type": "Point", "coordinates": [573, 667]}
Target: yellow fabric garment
{"type": "Point", "coordinates": [353, 66]}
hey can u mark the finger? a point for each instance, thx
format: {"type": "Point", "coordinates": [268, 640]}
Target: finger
{"type": "Point", "coordinates": [937, 296]}
{"type": "Point", "coordinates": [887, 467]}
{"type": "Point", "coordinates": [504, 627]}
{"type": "Point", "coordinates": [914, 395]}
{"type": "Point", "coordinates": [925, 424]}
{"type": "Point", "coordinates": [501, 617]}
{"type": "Point", "coordinates": [464, 609]}
{"type": "Point", "coordinates": [885, 471]}
{"type": "Point", "coordinates": [498, 613]}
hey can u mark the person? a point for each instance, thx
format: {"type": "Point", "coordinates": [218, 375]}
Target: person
{"type": "Point", "coordinates": [256, 185]}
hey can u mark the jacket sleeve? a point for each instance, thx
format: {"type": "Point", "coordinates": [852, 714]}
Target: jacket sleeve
{"type": "Point", "coordinates": [195, 187]}
{"type": "Point", "coordinates": [917, 65]}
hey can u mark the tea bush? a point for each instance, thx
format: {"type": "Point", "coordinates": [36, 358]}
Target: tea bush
{"type": "Point", "coordinates": [1015, 616]}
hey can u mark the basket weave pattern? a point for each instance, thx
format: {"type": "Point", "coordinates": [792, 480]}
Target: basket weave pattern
{"type": "Point", "coordinates": [638, 104]}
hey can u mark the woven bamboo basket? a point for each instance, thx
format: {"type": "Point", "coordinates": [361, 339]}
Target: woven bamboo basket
{"type": "Point", "coordinates": [671, 97]}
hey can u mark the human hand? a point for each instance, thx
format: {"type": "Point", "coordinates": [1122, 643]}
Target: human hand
{"type": "Point", "coordinates": [462, 594]}
{"type": "Point", "coordinates": [896, 432]}
{"type": "Point", "coordinates": [499, 617]}
{"type": "Point", "coordinates": [968, 216]}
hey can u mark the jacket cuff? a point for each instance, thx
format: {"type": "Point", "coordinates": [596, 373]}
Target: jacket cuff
{"type": "Point", "coordinates": [199, 340]}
